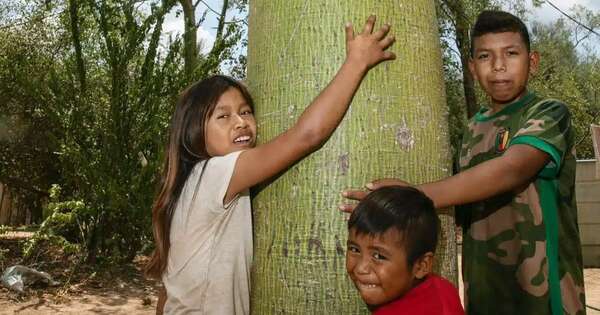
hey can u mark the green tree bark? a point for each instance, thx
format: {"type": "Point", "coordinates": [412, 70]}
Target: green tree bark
{"type": "Point", "coordinates": [396, 127]}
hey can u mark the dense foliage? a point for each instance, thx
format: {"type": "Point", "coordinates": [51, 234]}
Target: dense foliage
{"type": "Point", "coordinates": [85, 100]}
{"type": "Point", "coordinates": [87, 89]}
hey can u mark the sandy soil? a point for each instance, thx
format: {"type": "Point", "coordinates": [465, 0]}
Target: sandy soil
{"type": "Point", "coordinates": [123, 290]}
{"type": "Point", "coordinates": [82, 290]}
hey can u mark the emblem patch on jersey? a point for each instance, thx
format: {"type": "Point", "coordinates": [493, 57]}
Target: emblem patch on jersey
{"type": "Point", "coordinates": [502, 140]}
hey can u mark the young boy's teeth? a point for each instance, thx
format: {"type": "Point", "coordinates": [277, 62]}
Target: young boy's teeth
{"type": "Point", "coordinates": [242, 138]}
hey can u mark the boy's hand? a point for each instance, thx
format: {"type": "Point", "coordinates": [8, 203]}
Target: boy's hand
{"type": "Point", "coordinates": [367, 49]}
{"type": "Point", "coordinates": [361, 194]}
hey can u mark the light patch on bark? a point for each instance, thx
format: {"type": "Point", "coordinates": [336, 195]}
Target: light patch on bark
{"type": "Point", "coordinates": [404, 137]}
{"type": "Point", "coordinates": [291, 109]}
{"type": "Point", "coordinates": [295, 190]}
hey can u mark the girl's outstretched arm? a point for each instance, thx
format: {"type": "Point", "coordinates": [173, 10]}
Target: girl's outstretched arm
{"type": "Point", "coordinates": [321, 117]}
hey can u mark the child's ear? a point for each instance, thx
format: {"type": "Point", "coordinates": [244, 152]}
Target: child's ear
{"type": "Point", "coordinates": [471, 65]}
{"type": "Point", "coordinates": [423, 266]}
{"type": "Point", "coordinates": [534, 61]}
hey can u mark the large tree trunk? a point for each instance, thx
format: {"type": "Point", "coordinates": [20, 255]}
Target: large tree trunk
{"type": "Point", "coordinates": [396, 127]}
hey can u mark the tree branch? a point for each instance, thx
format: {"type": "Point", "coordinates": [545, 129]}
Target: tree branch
{"type": "Point", "coordinates": [207, 6]}
{"type": "Point", "coordinates": [75, 34]}
{"type": "Point", "coordinates": [219, 38]}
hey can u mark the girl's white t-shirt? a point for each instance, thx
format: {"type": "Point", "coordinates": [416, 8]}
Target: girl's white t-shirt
{"type": "Point", "coordinates": [208, 270]}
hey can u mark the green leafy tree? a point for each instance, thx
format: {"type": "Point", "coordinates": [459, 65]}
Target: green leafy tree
{"type": "Point", "coordinates": [29, 52]}
{"type": "Point", "coordinates": [89, 92]}
{"type": "Point", "coordinates": [568, 74]}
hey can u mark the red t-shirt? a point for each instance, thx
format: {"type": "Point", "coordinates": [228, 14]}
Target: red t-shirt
{"type": "Point", "coordinates": [434, 296]}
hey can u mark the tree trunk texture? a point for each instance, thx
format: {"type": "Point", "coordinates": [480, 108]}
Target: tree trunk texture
{"type": "Point", "coordinates": [396, 127]}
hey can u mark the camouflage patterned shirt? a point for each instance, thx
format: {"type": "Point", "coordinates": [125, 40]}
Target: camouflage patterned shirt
{"type": "Point", "coordinates": [509, 240]}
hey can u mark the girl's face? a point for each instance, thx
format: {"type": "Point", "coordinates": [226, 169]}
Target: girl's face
{"type": "Point", "coordinates": [231, 127]}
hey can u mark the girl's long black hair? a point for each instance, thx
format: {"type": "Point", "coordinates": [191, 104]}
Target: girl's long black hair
{"type": "Point", "coordinates": [186, 147]}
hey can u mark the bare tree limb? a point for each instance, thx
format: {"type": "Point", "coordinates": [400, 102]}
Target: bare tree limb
{"type": "Point", "coordinates": [219, 38]}
{"type": "Point", "coordinates": [207, 6]}
{"type": "Point", "coordinates": [190, 37]}
{"type": "Point", "coordinates": [76, 36]}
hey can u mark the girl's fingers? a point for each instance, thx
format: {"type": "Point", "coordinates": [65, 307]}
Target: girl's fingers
{"type": "Point", "coordinates": [387, 55]}
{"type": "Point", "coordinates": [368, 29]}
{"type": "Point", "coordinates": [384, 30]}
{"type": "Point", "coordinates": [349, 32]}
{"type": "Point", "coordinates": [387, 42]}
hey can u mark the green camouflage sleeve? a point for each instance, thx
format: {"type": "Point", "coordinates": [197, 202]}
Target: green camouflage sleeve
{"type": "Point", "coordinates": [545, 126]}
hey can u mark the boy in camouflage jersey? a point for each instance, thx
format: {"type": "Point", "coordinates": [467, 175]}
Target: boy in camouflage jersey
{"type": "Point", "coordinates": [521, 246]}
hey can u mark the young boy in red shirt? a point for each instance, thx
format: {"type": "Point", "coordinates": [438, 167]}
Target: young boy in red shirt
{"type": "Point", "coordinates": [392, 235]}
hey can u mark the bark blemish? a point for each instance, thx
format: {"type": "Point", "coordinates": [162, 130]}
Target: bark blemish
{"type": "Point", "coordinates": [297, 251]}
{"type": "Point", "coordinates": [315, 244]}
{"type": "Point", "coordinates": [338, 247]}
{"type": "Point", "coordinates": [284, 248]}
{"type": "Point", "coordinates": [344, 163]}
{"type": "Point", "coordinates": [405, 138]}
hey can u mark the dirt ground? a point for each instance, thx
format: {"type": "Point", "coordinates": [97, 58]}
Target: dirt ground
{"type": "Point", "coordinates": [122, 290]}
{"type": "Point", "coordinates": [114, 290]}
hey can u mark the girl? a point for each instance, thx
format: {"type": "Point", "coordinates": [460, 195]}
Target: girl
{"type": "Point", "coordinates": [201, 217]}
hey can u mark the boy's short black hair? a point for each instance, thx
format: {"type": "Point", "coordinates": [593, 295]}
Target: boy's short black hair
{"type": "Point", "coordinates": [493, 21]}
{"type": "Point", "coordinates": [404, 208]}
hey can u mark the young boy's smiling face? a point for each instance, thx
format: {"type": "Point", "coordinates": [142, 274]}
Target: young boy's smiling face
{"type": "Point", "coordinates": [501, 64]}
{"type": "Point", "coordinates": [378, 266]}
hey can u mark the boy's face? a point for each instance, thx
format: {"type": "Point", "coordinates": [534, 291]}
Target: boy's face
{"type": "Point", "coordinates": [502, 65]}
{"type": "Point", "coordinates": [378, 266]}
